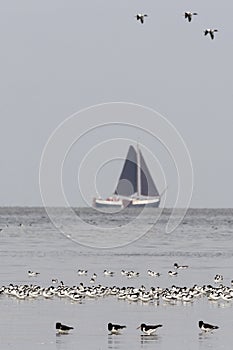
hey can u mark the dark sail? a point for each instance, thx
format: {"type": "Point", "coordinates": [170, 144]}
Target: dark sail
{"type": "Point", "coordinates": [127, 184]}
{"type": "Point", "coordinates": [148, 187]}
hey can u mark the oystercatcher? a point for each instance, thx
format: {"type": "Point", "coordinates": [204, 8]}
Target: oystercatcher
{"type": "Point", "coordinates": [188, 15]}
{"type": "Point", "coordinates": [140, 17]}
{"type": "Point", "coordinates": [115, 328]}
{"type": "Point", "coordinates": [210, 32]}
{"type": "Point", "coordinates": [149, 329]}
{"type": "Point", "coordinates": [206, 327]}
{"type": "Point", "coordinates": [62, 328]}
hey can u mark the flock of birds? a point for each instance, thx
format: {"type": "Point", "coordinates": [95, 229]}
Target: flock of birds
{"type": "Point", "coordinates": [145, 328]}
{"type": "Point", "coordinates": [152, 295]}
{"type": "Point", "coordinates": [188, 15]}
{"type": "Point", "coordinates": [174, 294]}
{"type": "Point", "coordinates": [78, 293]}
{"type": "Point", "coordinates": [128, 274]}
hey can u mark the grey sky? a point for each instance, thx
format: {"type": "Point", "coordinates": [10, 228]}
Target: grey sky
{"type": "Point", "coordinates": [60, 56]}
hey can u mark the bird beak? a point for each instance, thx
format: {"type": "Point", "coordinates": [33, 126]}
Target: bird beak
{"type": "Point", "coordinates": [138, 327]}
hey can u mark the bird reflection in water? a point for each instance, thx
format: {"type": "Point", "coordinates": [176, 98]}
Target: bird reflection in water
{"type": "Point", "coordinates": [114, 342]}
{"type": "Point", "coordinates": [149, 339]}
{"type": "Point", "coordinates": [62, 341]}
{"type": "Point", "coordinates": [205, 336]}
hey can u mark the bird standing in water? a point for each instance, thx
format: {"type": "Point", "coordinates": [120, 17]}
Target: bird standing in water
{"type": "Point", "coordinates": [206, 327]}
{"type": "Point", "coordinates": [149, 329]}
{"type": "Point", "coordinates": [62, 328]}
{"type": "Point", "coordinates": [115, 328]}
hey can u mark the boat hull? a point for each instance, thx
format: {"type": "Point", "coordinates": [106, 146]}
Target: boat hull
{"type": "Point", "coordinates": [146, 202]}
{"type": "Point", "coordinates": [124, 203]}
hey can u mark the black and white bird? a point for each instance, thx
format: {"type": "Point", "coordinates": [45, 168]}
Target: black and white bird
{"type": "Point", "coordinates": [180, 266]}
{"type": "Point", "coordinates": [124, 273]}
{"type": "Point", "coordinates": [93, 278]}
{"type": "Point", "coordinates": [189, 15]}
{"type": "Point", "coordinates": [172, 273]}
{"type": "Point", "coordinates": [149, 329]}
{"type": "Point", "coordinates": [218, 278]}
{"type": "Point", "coordinates": [153, 273]}
{"type": "Point", "coordinates": [140, 17]}
{"type": "Point", "coordinates": [206, 327]}
{"type": "Point", "coordinates": [115, 328]}
{"type": "Point", "coordinates": [62, 328]}
{"type": "Point", "coordinates": [210, 32]}
{"type": "Point", "coordinates": [32, 273]}
{"type": "Point", "coordinates": [108, 273]}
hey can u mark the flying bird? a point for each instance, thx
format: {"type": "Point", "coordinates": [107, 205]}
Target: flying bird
{"type": "Point", "coordinates": [62, 328]}
{"type": "Point", "coordinates": [115, 328]}
{"type": "Point", "coordinates": [210, 32]}
{"type": "Point", "coordinates": [206, 327]}
{"type": "Point", "coordinates": [140, 17]}
{"type": "Point", "coordinates": [149, 329]}
{"type": "Point", "coordinates": [189, 15]}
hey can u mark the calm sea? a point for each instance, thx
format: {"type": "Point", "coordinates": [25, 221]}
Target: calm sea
{"type": "Point", "coordinates": [97, 241]}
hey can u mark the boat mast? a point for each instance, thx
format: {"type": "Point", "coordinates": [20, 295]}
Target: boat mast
{"type": "Point", "coordinates": [138, 172]}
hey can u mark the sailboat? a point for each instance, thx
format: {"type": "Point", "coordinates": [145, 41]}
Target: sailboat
{"type": "Point", "coordinates": [135, 186]}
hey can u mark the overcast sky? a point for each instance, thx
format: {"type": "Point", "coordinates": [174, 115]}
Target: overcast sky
{"type": "Point", "coordinates": [58, 57]}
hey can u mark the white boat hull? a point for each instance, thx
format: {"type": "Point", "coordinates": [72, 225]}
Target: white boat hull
{"type": "Point", "coordinates": [152, 202]}
{"type": "Point", "coordinates": [106, 203]}
{"type": "Point", "coordinates": [123, 203]}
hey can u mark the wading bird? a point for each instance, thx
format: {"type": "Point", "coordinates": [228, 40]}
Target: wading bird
{"type": "Point", "coordinates": [206, 327]}
{"type": "Point", "coordinates": [149, 329]}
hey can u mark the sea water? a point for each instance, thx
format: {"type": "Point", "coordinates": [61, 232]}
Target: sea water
{"type": "Point", "coordinates": [99, 241]}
